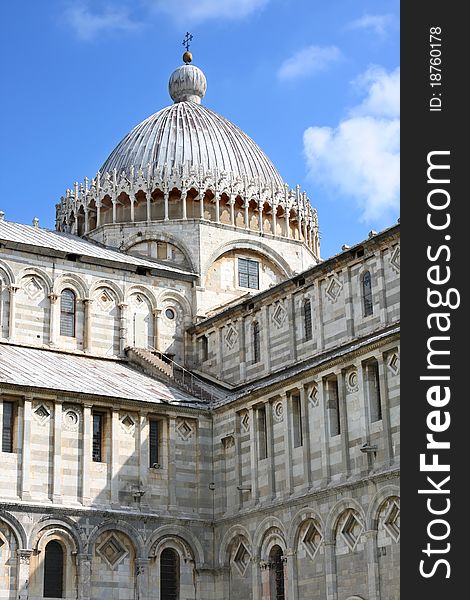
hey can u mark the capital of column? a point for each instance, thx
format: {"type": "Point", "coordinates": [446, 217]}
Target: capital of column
{"type": "Point", "coordinates": [53, 297]}
{"type": "Point", "coordinates": [24, 555]}
{"type": "Point", "coordinates": [13, 288]}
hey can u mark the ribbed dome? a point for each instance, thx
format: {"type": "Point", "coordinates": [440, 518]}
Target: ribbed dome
{"type": "Point", "coordinates": [187, 133]}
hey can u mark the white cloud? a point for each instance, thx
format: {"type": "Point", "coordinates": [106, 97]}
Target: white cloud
{"type": "Point", "coordinates": [87, 24]}
{"type": "Point", "coordinates": [379, 24]}
{"type": "Point", "coordinates": [184, 11]}
{"type": "Point", "coordinates": [308, 61]}
{"type": "Point", "coordinates": [359, 158]}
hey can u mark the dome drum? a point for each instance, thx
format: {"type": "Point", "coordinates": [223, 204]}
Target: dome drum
{"type": "Point", "coordinates": [188, 194]}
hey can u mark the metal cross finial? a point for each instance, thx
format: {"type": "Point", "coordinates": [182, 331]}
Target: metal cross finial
{"type": "Point", "coordinates": [187, 39]}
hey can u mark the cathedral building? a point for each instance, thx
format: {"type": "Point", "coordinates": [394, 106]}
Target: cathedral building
{"type": "Point", "coordinates": [193, 404]}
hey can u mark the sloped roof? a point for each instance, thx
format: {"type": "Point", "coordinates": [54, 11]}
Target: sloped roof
{"type": "Point", "coordinates": [66, 372]}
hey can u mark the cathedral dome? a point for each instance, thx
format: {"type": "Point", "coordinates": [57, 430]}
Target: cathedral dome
{"type": "Point", "coordinates": [187, 134]}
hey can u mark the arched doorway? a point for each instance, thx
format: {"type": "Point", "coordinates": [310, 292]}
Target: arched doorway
{"type": "Point", "coordinates": [276, 565]}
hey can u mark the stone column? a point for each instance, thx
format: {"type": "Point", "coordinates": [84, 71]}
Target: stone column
{"type": "Point", "coordinates": [372, 562]}
{"type": "Point", "coordinates": [166, 196]}
{"type": "Point", "coordinates": [286, 215]}
{"type": "Point", "coordinates": [386, 424]}
{"type": "Point", "coordinates": [87, 449]}
{"type": "Point", "coordinates": [57, 463]}
{"type": "Point", "coordinates": [330, 571]}
{"type": "Point", "coordinates": [270, 446]}
{"type": "Point", "coordinates": [343, 416]}
{"type": "Point", "coordinates": [324, 432]}
{"type": "Point", "coordinates": [274, 209]}
{"type": "Point", "coordinates": [12, 316]}
{"type": "Point", "coordinates": [84, 576]}
{"type": "Point", "coordinates": [382, 290]}
{"type": "Point", "coordinates": [87, 326]}
{"type": "Point", "coordinates": [87, 228]}
{"type": "Point", "coordinates": [237, 460]}
{"type": "Point", "coordinates": [172, 504]}
{"type": "Point", "coordinates": [142, 441]}
{"type": "Point", "coordinates": [246, 206]}
{"type": "Point", "coordinates": [52, 318]}
{"type": "Point", "coordinates": [307, 463]}
{"type": "Point", "coordinates": [299, 223]}
{"type": "Point", "coordinates": [366, 459]}
{"type": "Point", "coordinates": [260, 209]}
{"type": "Point", "coordinates": [149, 208]}
{"type": "Point", "coordinates": [122, 327]}
{"type": "Point", "coordinates": [265, 581]}
{"type": "Point", "coordinates": [24, 557]}
{"type": "Point", "coordinates": [232, 210]}
{"type": "Point", "coordinates": [265, 338]}
{"type": "Point", "coordinates": [26, 450]}
{"type": "Point", "coordinates": [115, 462]}
{"type": "Point", "coordinates": [141, 578]}
{"type": "Point", "coordinates": [318, 320]}
{"type": "Point", "coordinates": [292, 328]}
{"type": "Point", "coordinates": [98, 214]}
{"type": "Point", "coordinates": [349, 305]}
{"type": "Point", "coordinates": [114, 210]}
{"type": "Point", "coordinates": [288, 444]}
{"type": "Point", "coordinates": [156, 328]}
{"type": "Point", "coordinates": [132, 201]}
{"type": "Point", "coordinates": [201, 204]}
{"type": "Point", "coordinates": [184, 204]}
{"type": "Point", "coordinates": [217, 207]}
{"type": "Point", "coordinates": [254, 455]}
{"type": "Point", "coordinates": [290, 574]}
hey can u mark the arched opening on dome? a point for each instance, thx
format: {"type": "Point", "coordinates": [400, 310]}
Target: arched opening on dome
{"type": "Point", "coordinates": [293, 224]}
{"type": "Point", "coordinates": [140, 206]}
{"type": "Point", "coordinates": [267, 218]}
{"type": "Point", "coordinates": [106, 212]}
{"type": "Point", "coordinates": [209, 206]}
{"type": "Point", "coordinates": [175, 205]}
{"type": "Point", "coordinates": [123, 208]}
{"type": "Point", "coordinates": [71, 223]}
{"type": "Point", "coordinates": [92, 215]}
{"type": "Point", "coordinates": [224, 209]}
{"type": "Point", "coordinates": [253, 215]}
{"type": "Point", "coordinates": [281, 222]}
{"type": "Point", "coordinates": [239, 209]}
{"type": "Point", "coordinates": [81, 221]}
{"type": "Point", "coordinates": [157, 205]}
{"type": "Point", "coordinates": [192, 205]}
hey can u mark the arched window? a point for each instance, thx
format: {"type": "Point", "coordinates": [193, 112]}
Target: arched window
{"type": "Point", "coordinates": [307, 308]}
{"type": "Point", "coordinates": [367, 294]}
{"type": "Point", "coordinates": [169, 575]}
{"type": "Point", "coordinates": [53, 570]}
{"type": "Point", "coordinates": [277, 573]}
{"type": "Point", "coordinates": [68, 303]}
{"type": "Point", "coordinates": [256, 343]}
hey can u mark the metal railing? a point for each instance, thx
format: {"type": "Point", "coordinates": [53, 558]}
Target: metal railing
{"type": "Point", "coordinates": [182, 376]}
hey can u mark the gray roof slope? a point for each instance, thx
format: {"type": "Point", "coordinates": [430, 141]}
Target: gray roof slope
{"type": "Point", "coordinates": [65, 372]}
{"type": "Point", "coordinates": [71, 244]}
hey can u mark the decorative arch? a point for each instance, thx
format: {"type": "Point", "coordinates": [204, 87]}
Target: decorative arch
{"type": "Point", "coordinates": [38, 273]}
{"type": "Point", "coordinates": [73, 281]}
{"type": "Point", "coordinates": [303, 515]}
{"type": "Point", "coordinates": [148, 236]}
{"type": "Point", "coordinates": [268, 253]}
{"type": "Point", "coordinates": [64, 525]}
{"type": "Point", "coordinates": [193, 545]}
{"type": "Point", "coordinates": [263, 528]}
{"type": "Point", "coordinates": [135, 289]}
{"type": "Point", "coordinates": [108, 284]}
{"type": "Point", "coordinates": [375, 505]}
{"type": "Point", "coordinates": [134, 536]}
{"type": "Point", "coordinates": [16, 527]}
{"type": "Point", "coordinates": [336, 512]}
{"type": "Point", "coordinates": [230, 536]}
{"type": "Point", "coordinates": [7, 271]}
{"type": "Point", "coordinates": [176, 297]}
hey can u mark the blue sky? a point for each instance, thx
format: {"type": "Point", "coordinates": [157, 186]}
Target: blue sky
{"type": "Point", "coordinates": [314, 83]}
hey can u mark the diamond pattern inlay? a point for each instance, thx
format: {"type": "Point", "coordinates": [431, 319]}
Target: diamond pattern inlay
{"type": "Point", "coordinates": [242, 559]}
{"type": "Point", "coordinates": [392, 521]}
{"type": "Point", "coordinates": [312, 539]}
{"type": "Point", "coordinates": [112, 551]}
{"type": "Point", "coordinates": [351, 530]}
{"type": "Point", "coordinates": [334, 288]}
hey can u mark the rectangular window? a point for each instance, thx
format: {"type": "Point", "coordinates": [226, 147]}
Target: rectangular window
{"type": "Point", "coordinates": [373, 385]}
{"type": "Point", "coordinates": [204, 345]}
{"type": "Point", "coordinates": [7, 428]}
{"type": "Point", "coordinates": [333, 407]}
{"type": "Point", "coordinates": [162, 251]}
{"type": "Point", "coordinates": [154, 441]}
{"type": "Point", "coordinates": [98, 419]}
{"type": "Point", "coordinates": [248, 273]}
{"type": "Point", "coordinates": [262, 437]}
{"type": "Point", "coordinates": [296, 421]}
{"type": "Point", "coordinates": [256, 343]}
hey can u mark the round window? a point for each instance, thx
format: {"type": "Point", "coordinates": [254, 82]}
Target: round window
{"type": "Point", "coordinates": [170, 313]}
